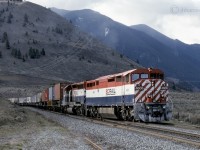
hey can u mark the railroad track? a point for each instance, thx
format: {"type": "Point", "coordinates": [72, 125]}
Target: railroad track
{"type": "Point", "coordinates": [192, 136]}
{"type": "Point", "coordinates": [159, 132]}
{"type": "Point", "coordinates": [191, 127]}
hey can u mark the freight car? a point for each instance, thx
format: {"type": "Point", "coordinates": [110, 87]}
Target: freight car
{"type": "Point", "coordinates": [138, 94]}
{"type": "Point", "coordinates": [56, 96]}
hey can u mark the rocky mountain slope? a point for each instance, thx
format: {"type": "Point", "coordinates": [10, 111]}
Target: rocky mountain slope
{"type": "Point", "coordinates": [27, 29]}
{"type": "Point", "coordinates": [178, 60]}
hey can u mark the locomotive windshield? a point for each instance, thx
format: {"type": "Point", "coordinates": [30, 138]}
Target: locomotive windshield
{"type": "Point", "coordinates": [144, 76]}
{"type": "Point", "coordinates": [137, 76]}
{"type": "Point", "coordinates": [156, 76]}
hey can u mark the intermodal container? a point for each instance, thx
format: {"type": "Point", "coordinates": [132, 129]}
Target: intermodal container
{"type": "Point", "coordinates": [28, 99]}
{"type": "Point", "coordinates": [51, 93]}
{"type": "Point", "coordinates": [13, 100]}
{"type": "Point", "coordinates": [45, 95]}
{"type": "Point", "coordinates": [22, 100]}
{"type": "Point", "coordinates": [33, 99]}
{"type": "Point", "coordinates": [38, 97]}
{"type": "Point", "coordinates": [58, 90]}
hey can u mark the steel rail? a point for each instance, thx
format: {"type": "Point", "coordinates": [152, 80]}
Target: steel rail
{"type": "Point", "coordinates": [93, 144]}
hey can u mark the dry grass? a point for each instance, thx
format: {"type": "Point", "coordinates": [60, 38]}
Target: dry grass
{"type": "Point", "coordinates": [186, 106]}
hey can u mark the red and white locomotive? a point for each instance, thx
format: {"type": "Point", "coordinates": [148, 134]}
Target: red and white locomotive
{"type": "Point", "coordinates": [139, 94]}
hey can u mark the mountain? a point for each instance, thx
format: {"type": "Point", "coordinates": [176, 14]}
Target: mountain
{"type": "Point", "coordinates": [189, 53]}
{"type": "Point", "coordinates": [177, 46]}
{"type": "Point", "coordinates": [151, 49]}
{"type": "Point", "coordinates": [36, 42]}
{"type": "Point", "coordinates": [155, 34]}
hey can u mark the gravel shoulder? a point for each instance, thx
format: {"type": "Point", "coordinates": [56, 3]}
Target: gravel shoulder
{"type": "Point", "coordinates": [21, 128]}
{"type": "Point", "coordinates": [112, 138]}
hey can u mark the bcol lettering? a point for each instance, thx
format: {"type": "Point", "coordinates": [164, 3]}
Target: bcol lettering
{"type": "Point", "coordinates": [110, 92]}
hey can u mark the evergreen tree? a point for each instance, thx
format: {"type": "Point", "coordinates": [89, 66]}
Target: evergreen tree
{"type": "Point", "coordinates": [10, 16]}
{"type": "Point", "coordinates": [23, 59]}
{"type": "Point", "coordinates": [19, 54]}
{"type": "Point", "coordinates": [7, 44]}
{"type": "Point", "coordinates": [16, 53]}
{"type": "Point", "coordinates": [58, 30]}
{"type": "Point", "coordinates": [26, 34]}
{"type": "Point", "coordinates": [37, 54]}
{"type": "Point", "coordinates": [26, 18]}
{"type": "Point", "coordinates": [32, 53]}
{"type": "Point", "coordinates": [5, 37]}
{"type": "Point", "coordinates": [42, 52]}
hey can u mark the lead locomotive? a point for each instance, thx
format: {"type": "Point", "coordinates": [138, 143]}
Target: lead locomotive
{"type": "Point", "coordinates": [139, 94]}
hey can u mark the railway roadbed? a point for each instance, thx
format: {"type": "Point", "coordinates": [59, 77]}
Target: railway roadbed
{"type": "Point", "coordinates": [105, 135]}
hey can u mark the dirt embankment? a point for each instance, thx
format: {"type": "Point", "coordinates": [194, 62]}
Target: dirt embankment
{"type": "Point", "coordinates": [23, 129]}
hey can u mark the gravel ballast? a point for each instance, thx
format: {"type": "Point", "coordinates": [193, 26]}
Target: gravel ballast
{"type": "Point", "coordinates": [112, 138]}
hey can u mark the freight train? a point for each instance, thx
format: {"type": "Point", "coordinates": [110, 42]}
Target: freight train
{"type": "Point", "coordinates": [137, 94]}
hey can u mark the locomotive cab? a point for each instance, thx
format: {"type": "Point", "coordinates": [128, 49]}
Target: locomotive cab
{"type": "Point", "coordinates": [151, 96]}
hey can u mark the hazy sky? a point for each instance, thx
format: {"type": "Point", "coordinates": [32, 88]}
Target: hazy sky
{"type": "Point", "coordinates": [178, 19]}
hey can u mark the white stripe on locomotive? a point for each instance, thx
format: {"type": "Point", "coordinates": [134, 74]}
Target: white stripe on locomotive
{"type": "Point", "coordinates": [114, 91]}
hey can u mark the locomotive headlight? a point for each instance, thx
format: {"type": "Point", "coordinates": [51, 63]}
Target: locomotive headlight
{"type": "Point", "coordinates": [162, 95]}
{"type": "Point", "coordinates": [164, 107]}
{"type": "Point", "coordinates": [152, 83]}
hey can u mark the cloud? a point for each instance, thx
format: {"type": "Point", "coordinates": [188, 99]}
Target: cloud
{"type": "Point", "coordinates": [185, 28]}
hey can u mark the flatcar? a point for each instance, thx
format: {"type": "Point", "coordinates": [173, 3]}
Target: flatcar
{"type": "Point", "coordinates": [138, 94]}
